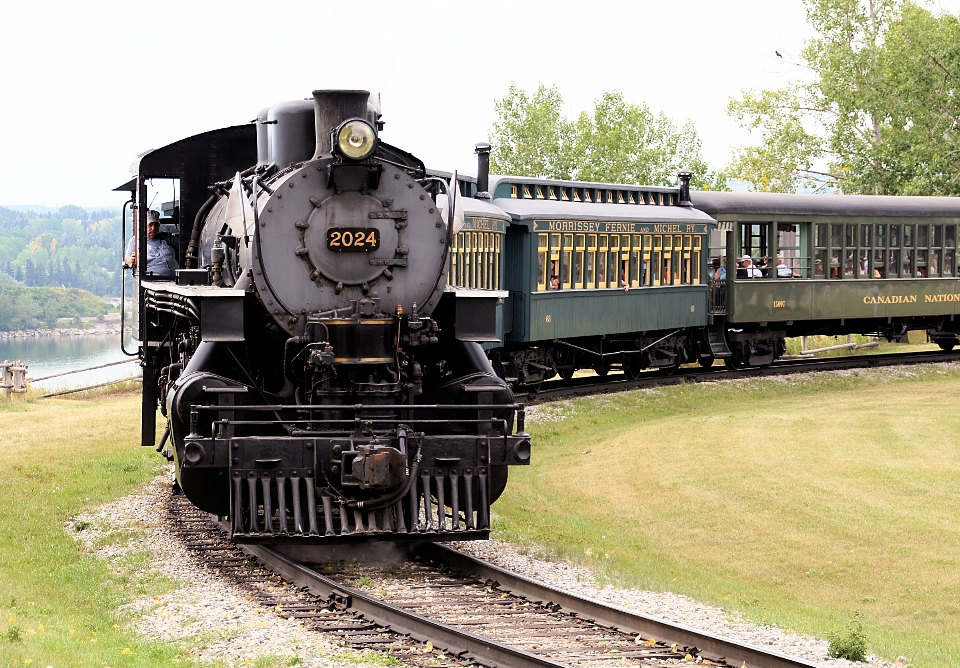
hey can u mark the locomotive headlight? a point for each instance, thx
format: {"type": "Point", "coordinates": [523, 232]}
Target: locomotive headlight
{"type": "Point", "coordinates": [356, 139]}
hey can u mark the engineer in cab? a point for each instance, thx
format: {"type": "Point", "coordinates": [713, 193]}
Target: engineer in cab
{"type": "Point", "coordinates": [161, 256]}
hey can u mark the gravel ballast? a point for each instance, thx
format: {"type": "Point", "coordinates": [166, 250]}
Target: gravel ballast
{"type": "Point", "coordinates": [215, 621]}
{"type": "Point", "coordinates": [210, 617]}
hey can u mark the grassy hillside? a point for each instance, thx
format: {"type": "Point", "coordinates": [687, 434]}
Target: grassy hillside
{"type": "Point", "coordinates": [28, 308]}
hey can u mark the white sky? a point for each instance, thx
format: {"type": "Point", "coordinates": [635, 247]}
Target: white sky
{"type": "Point", "coordinates": [85, 86]}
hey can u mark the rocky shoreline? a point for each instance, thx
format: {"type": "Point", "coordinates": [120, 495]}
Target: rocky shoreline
{"type": "Point", "coordinates": [110, 324]}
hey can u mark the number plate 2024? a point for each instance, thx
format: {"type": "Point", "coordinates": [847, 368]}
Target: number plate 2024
{"type": "Point", "coordinates": [353, 238]}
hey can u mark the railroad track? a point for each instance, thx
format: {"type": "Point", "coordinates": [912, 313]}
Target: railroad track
{"type": "Point", "coordinates": [430, 605]}
{"type": "Point", "coordinates": [560, 389]}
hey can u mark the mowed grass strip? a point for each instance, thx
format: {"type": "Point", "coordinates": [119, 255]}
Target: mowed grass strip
{"type": "Point", "coordinates": [58, 605]}
{"type": "Point", "coordinates": [796, 500]}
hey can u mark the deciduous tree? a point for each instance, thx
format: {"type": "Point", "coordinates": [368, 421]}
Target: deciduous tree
{"type": "Point", "coordinates": [531, 136]}
{"type": "Point", "coordinates": [880, 110]}
{"type": "Point", "coordinates": [619, 142]}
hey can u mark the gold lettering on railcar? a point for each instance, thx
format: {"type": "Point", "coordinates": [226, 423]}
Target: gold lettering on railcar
{"type": "Point", "coordinates": [488, 224]}
{"type": "Point", "coordinates": [549, 318]}
{"type": "Point", "coordinates": [618, 228]}
{"type": "Point", "coordinates": [779, 303]}
{"type": "Point", "coordinates": [941, 298]}
{"type": "Point", "coordinates": [891, 299]}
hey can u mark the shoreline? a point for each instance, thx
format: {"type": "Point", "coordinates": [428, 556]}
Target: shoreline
{"type": "Point", "coordinates": [91, 327]}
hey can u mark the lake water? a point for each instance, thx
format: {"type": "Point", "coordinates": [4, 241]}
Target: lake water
{"type": "Point", "coordinates": [55, 354]}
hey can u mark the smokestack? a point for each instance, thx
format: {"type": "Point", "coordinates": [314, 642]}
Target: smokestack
{"type": "Point", "coordinates": [685, 188]}
{"type": "Point", "coordinates": [333, 107]}
{"type": "Point", "coordinates": [483, 168]}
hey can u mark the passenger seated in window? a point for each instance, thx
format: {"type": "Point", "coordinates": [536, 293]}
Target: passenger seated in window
{"type": "Point", "coordinates": [624, 283]}
{"type": "Point", "coordinates": [554, 282]}
{"type": "Point", "coordinates": [783, 271]}
{"type": "Point", "coordinates": [749, 271]}
{"type": "Point", "coordinates": [818, 268]}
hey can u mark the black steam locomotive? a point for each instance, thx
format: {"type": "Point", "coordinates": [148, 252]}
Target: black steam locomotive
{"type": "Point", "coordinates": [319, 379]}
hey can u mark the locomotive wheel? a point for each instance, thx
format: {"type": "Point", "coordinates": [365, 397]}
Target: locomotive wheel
{"type": "Point", "coordinates": [567, 372]}
{"type": "Point", "coordinates": [732, 364]}
{"type": "Point", "coordinates": [946, 345]}
{"type": "Point", "coordinates": [705, 362]}
{"type": "Point", "coordinates": [602, 370]}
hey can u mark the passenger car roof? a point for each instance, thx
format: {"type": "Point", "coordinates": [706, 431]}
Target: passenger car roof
{"type": "Point", "coordinates": [794, 205]}
{"type": "Point", "coordinates": [529, 209]}
{"type": "Point", "coordinates": [549, 203]}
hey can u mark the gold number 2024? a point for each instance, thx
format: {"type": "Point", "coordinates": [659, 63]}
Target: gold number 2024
{"type": "Point", "coordinates": [353, 239]}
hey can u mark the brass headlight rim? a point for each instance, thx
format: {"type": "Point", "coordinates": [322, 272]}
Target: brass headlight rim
{"type": "Point", "coordinates": [338, 142]}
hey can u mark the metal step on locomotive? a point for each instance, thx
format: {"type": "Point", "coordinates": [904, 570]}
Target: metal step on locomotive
{"type": "Point", "coordinates": [319, 379]}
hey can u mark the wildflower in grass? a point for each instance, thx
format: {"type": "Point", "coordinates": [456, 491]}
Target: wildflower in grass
{"type": "Point", "coordinates": [126, 650]}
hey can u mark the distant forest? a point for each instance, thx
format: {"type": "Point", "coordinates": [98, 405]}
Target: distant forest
{"type": "Point", "coordinates": [29, 308]}
{"type": "Point", "coordinates": [69, 248]}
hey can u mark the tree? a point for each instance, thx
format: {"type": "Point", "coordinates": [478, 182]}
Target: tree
{"type": "Point", "coordinates": [879, 115]}
{"type": "Point", "coordinates": [624, 142]}
{"type": "Point", "coordinates": [620, 142]}
{"type": "Point", "coordinates": [531, 135]}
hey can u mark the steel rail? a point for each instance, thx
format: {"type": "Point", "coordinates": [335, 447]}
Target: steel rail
{"type": "Point", "coordinates": [452, 640]}
{"type": "Point", "coordinates": [733, 652]}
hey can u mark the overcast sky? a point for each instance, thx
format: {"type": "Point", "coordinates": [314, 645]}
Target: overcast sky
{"type": "Point", "coordinates": [86, 86]}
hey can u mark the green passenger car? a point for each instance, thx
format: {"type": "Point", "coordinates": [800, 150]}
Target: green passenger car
{"type": "Point", "coordinates": [831, 264]}
{"type": "Point", "coordinates": [599, 276]}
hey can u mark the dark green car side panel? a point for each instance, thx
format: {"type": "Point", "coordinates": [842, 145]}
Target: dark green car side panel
{"type": "Point", "coordinates": [782, 300]}
{"type": "Point", "coordinates": [573, 313]}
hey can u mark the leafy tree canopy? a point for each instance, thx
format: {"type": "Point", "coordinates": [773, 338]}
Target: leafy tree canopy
{"type": "Point", "coordinates": [879, 114]}
{"type": "Point", "coordinates": [620, 142]}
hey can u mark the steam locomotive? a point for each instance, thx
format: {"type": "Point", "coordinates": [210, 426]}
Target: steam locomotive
{"type": "Point", "coordinates": [319, 379]}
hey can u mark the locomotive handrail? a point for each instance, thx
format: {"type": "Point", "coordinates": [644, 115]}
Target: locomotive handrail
{"type": "Point", "coordinates": [353, 422]}
{"type": "Point", "coordinates": [123, 279]}
{"type": "Point", "coordinates": [357, 407]}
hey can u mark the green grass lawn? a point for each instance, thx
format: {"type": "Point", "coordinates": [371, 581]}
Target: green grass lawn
{"type": "Point", "coordinates": [58, 606]}
{"type": "Point", "coordinates": [796, 500]}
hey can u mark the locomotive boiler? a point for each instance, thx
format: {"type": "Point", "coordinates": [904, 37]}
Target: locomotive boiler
{"type": "Point", "coordinates": [319, 380]}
